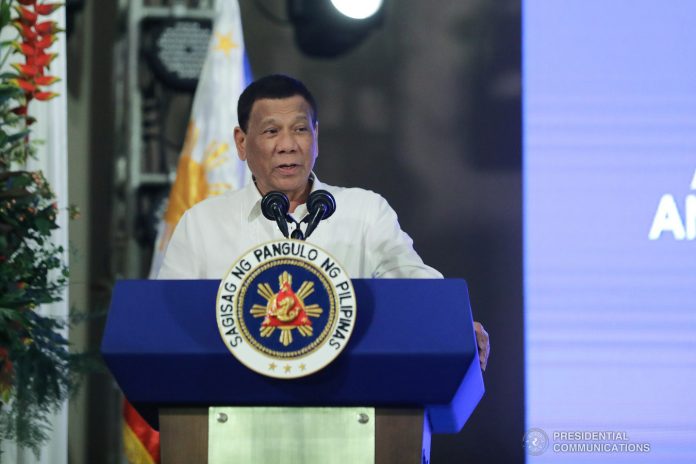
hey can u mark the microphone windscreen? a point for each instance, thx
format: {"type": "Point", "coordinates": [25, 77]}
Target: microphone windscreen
{"type": "Point", "coordinates": [319, 198]}
{"type": "Point", "coordinates": [271, 199]}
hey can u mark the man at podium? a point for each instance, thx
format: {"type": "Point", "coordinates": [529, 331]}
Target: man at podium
{"type": "Point", "coordinates": [278, 138]}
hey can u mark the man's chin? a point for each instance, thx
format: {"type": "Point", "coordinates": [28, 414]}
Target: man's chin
{"type": "Point", "coordinates": [291, 187]}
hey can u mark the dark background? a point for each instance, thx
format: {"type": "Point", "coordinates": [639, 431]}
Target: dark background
{"type": "Point", "coordinates": [427, 112]}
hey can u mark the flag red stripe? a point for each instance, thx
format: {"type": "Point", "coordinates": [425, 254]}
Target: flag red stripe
{"type": "Point", "coordinates": [147, 436]}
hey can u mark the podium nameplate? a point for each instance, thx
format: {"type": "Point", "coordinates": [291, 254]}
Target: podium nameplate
{"type": "Point", "coordinates": [265, 435]}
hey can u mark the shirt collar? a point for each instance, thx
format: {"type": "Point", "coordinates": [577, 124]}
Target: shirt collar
{"type": "Point", "coordinates": [252, 196]}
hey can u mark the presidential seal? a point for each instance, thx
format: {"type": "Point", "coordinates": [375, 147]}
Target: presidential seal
{"type": "Point", "coordinates": [535, 441]}
{"type": "Point", "coordinates": [286, 309]}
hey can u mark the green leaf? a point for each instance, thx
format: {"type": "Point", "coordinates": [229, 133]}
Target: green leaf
{"type": "Point", "coordinates": [18, 136]}
{"type": "Point", "coordinates": [4, 13]}
{"type": "Point", "coordinates": [9, 314]}
{"type": "Point", "coordinates": [44, 225]}
{"type": "Point", "coordinates": [9, 75]}
{"type": "Point", "coordinates": [9, 88]}
{"type": "Point", "coordinates": [6, 97]}
{"type": "Point", "coordinates": [7, 93]}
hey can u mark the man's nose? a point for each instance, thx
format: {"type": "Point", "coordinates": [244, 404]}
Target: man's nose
{"type": "Point", "coordinates": [287, 142]}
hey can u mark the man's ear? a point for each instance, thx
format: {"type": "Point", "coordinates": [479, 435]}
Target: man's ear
{"type": "Point", "coordinates": [240, 142]}
{"type": "Point", "coordinates": [316, 136]}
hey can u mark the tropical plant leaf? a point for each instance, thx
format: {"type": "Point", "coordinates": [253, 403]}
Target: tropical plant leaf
{"type": "Point", "coordinates": [14, 138]}
{"type": "Point", "coordinates": [5, 16]}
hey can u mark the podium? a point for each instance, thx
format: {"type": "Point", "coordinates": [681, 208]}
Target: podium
{"type": "Point", "coordinates": [412, 357]}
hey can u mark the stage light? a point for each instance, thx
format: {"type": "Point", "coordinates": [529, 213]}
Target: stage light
{"type": "Point", "coordinates": [175, 49]}
{"type": "Point", "coordinates": [328, 28]}
{"type": "Point", "coordinates": [357, 9]}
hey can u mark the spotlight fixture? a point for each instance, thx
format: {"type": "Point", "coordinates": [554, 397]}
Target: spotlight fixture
{"type": "Point", "coordinates": [360, 9]}
{"type": "Point", "coordinates": [328, 28]}
{"type": "Point", "coordinates": [176, 48]}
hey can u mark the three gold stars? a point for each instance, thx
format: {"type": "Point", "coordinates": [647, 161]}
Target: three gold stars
{"type": "Point", "coordinates": [286, 368]}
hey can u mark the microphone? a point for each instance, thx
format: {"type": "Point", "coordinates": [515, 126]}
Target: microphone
{"type": "Point", "coordinates": [274, 207]}
{"type": "Point", "coordinates": [320, 205]}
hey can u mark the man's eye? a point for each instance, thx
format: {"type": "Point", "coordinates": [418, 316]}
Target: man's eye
{"type": "Point", "coordinates": [270, 131]}
{"type": "Point", "coordinates": [301, 129]}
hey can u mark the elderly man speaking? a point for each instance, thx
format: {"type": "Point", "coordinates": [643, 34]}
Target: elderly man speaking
{"type": "Point", "coordinates": [278, 138]}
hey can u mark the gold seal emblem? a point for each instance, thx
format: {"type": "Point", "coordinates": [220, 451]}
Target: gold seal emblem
{"type": "Point", "coordinates": [286, 310]}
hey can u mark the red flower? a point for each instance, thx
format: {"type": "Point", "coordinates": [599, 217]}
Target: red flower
{"type": "Point", "coordinates": [26, 69]}
{"type": "Point", "coordinates": [27, 16]}
{"type": "Point", "coordinates": [24, 48]}
{"type": "Point", "coordinates": [47, 27]}
{"type": "Point", "coordinates": [20, 110]}
{"type": "Point", "coordinates": [43, 96]}
{"type": "Point", "coordinates": [40, 60]}
{"type": "Point", "coordinates": [47, 8]}
{"type": "Point", "coordinates": [26, 31]}
{"type": "Point", "coordinates": [46, 80]}
{"type": "Point", "coordinates": [26, 2]}
{"type": "Point", "coordinates": [24, 85]}
{"type": "Point", "coordinates": [45, 41]}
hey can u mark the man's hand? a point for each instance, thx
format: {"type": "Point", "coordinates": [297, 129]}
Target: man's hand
{"type": "Point", "coordinates": [484, 345]}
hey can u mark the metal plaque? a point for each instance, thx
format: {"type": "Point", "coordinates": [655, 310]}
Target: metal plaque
{"type": "Point", "coordinates": [281, 435]}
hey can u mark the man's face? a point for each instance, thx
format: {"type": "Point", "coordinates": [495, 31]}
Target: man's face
{"type": "Point", "coordinates": [280, 145]}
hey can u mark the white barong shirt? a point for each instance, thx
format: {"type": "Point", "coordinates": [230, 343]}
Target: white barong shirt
{"type": "Point", "coordinates": [363, 235]}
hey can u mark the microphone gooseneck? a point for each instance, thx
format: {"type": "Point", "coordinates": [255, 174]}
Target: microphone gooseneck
{"type": "Point", "coordinates": [297, 234]}
{"type": "Point", "coordinates": [320, 205]}
{"type": "Point", "coordinates": [274, 207]}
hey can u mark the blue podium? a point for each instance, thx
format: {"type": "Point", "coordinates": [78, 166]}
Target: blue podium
{"type": "Point", "coordinates": [412, 357]}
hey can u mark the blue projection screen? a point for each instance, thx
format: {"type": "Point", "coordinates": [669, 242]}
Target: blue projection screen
{"type": "Point", "coordinates": [609, 115]}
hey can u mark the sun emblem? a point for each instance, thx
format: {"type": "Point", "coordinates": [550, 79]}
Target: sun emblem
{"type": "Point", "coordinates": [286, 309]}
